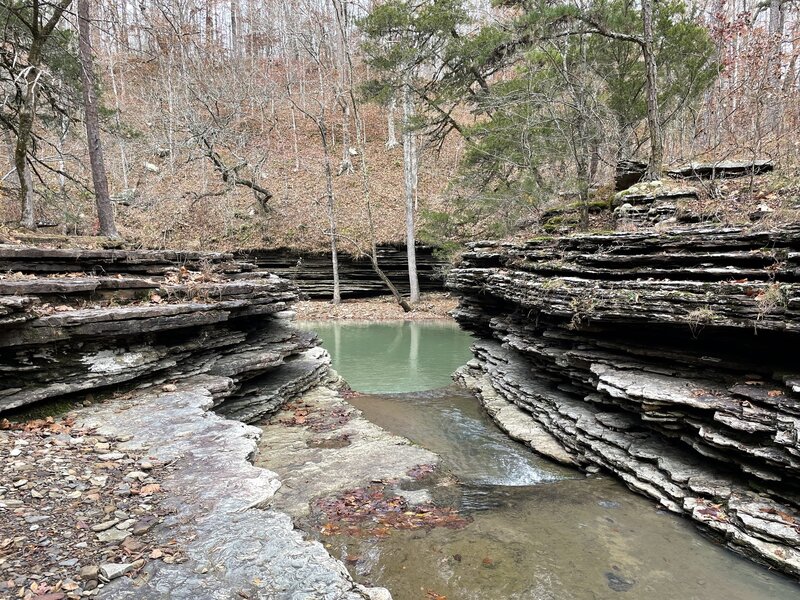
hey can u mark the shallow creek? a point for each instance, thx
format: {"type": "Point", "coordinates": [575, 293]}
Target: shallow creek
{"type": "Point", "coordinates": [539, 531]}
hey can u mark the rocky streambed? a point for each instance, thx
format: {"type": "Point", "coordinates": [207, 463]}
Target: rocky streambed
{"type": "Point", "coordinates": [668, 360]}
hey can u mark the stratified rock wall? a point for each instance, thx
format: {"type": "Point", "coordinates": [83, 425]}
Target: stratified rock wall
{"type": "Point", "coordinates": [669, 360]}
{"type": "Point", "coordinates": [77, 321]}
{"type": "Point", "coordinates": [313, 274]}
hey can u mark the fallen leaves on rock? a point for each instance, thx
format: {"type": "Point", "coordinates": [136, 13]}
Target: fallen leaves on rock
{"type": "Point", "coordinates": [346, 392]}
{"type": "Point", "coordinates": [149, 489]}
{"type": "Point", "coordinates": [783, 516]}
{"type": "Point", "coordinates": [420, 471]}
{"type": "Point", "coordinates": [318, 422]}
{"type": "Point", "coordinates": [63, 491]}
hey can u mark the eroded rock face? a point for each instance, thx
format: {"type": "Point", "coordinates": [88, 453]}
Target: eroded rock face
{"type": "Point", "coordinates": [669, 360]}
{"type": "Point", "coordinates": [313, 275]}
{"type": "Point", "coordinates": [149, 316]}
{"type": "Point", "coordinates": [185, 338]}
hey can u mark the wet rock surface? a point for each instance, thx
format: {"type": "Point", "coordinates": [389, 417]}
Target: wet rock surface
{"type": "Point", "coordinates": [233, 543]}
{"type": "Point", "coordinates": [664, 359]}
{"type": "Point", "coordinates": [321, 446]}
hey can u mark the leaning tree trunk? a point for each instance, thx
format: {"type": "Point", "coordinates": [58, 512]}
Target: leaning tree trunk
{"type": "Point", "coordinates": [409, 171]}
{"type": "Point", "coordinates": [105, 211]}
{"type": "Point", "coordinates": [656, 161]}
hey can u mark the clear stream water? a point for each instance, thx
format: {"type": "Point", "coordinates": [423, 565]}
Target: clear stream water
{"type": "Point", "coordinates": [539, 531]}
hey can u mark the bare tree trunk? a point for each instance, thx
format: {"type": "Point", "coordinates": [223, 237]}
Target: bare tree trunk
{"type": "Point", "coordinates": [209, 10]}
{"type": "Point", "coordinates": [287, 55]}
{"type": "Point", "coordinates": [774, 64]}
{"type": "Point", "coordinates": [12, 162]}
{"type": "Point", "coordinates": [123, 29]}
{"type": "Point", "coordinates": [582, 145]}
{"type": "Point", "coordinates": [63, 130]}
{"type": "Point", "coordinates": [409, 172]}
{"type": "Point", "coordinates": [39, 34]}
{"type": "Point", "coordinates": [294, 142]}
{"type": "Point", "coordinates": [105, 210]}
{"type": "Point", "coordinates": [26, 115]}
{"type": "Point", "coordinates": [331, 206]}
{"type": "Point", "coordinates": [234, 26]}
{"type": "Point", "coordinates": [10, 153]}
{"type": "Point", "coordinates": [346, 167]}
{"type": "Point", "coordinates": [656, 162]}
{"type": "Point", "coordinates": [391, 141]}
{"type": "Point", "coordinates": [331, 200]}
{"type": "Point", "coordinates": [122, 154]}
{"type": "Point", "coordinates": [137, 20]}
{"type": "Point", "coordinates": [361, 145]}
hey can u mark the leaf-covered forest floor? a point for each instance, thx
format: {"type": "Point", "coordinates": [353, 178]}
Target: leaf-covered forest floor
{"type": "Point", "coordinates": [298, 222]}
{"type": "Point", "coordinates": [77, 510]}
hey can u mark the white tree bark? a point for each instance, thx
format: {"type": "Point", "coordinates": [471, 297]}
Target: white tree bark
{"type": "Point", "coordinates": [409, 180]}
{"type": "Point", "coordinates": [391, 141]}
{"type": "Point", "coordinates": [655, 164]}
{"type": "Point", "coordinates": [775, 59]}
{"type": "Point", "coordinates": [346, 166]}
{"type": "Point", "coordinates": [331, 206]}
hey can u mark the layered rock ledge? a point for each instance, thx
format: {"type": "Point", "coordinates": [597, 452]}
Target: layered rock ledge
{"type": "Point", "coordinates": [666, 359]}
{"type": "Point", "coordinates": [183, 348]}
{"type": "Point", "coordinates": [235, 544]}
{"type": "Point", "coordinates": [78, 322]}
{"type": "Point", "coordinates": [313, 274]}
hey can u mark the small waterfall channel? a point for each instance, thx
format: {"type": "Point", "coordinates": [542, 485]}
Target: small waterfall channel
{"type": "Point", "coordinates": [537, 531]}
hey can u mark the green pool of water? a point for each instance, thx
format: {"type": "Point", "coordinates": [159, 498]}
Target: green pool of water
{"type": "Point", "coordinates": [394, 357]}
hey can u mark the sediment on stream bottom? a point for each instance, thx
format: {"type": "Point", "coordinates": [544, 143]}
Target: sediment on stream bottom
{"type": "Point", "coordinates": [666, 359]}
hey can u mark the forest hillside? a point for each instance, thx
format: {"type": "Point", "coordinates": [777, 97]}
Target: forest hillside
{"type": "Point", "coordinates": [232, 124]}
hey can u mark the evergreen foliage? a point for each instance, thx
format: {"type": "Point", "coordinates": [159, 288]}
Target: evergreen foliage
{"type": "Point", "coordinates": [545, 87]}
